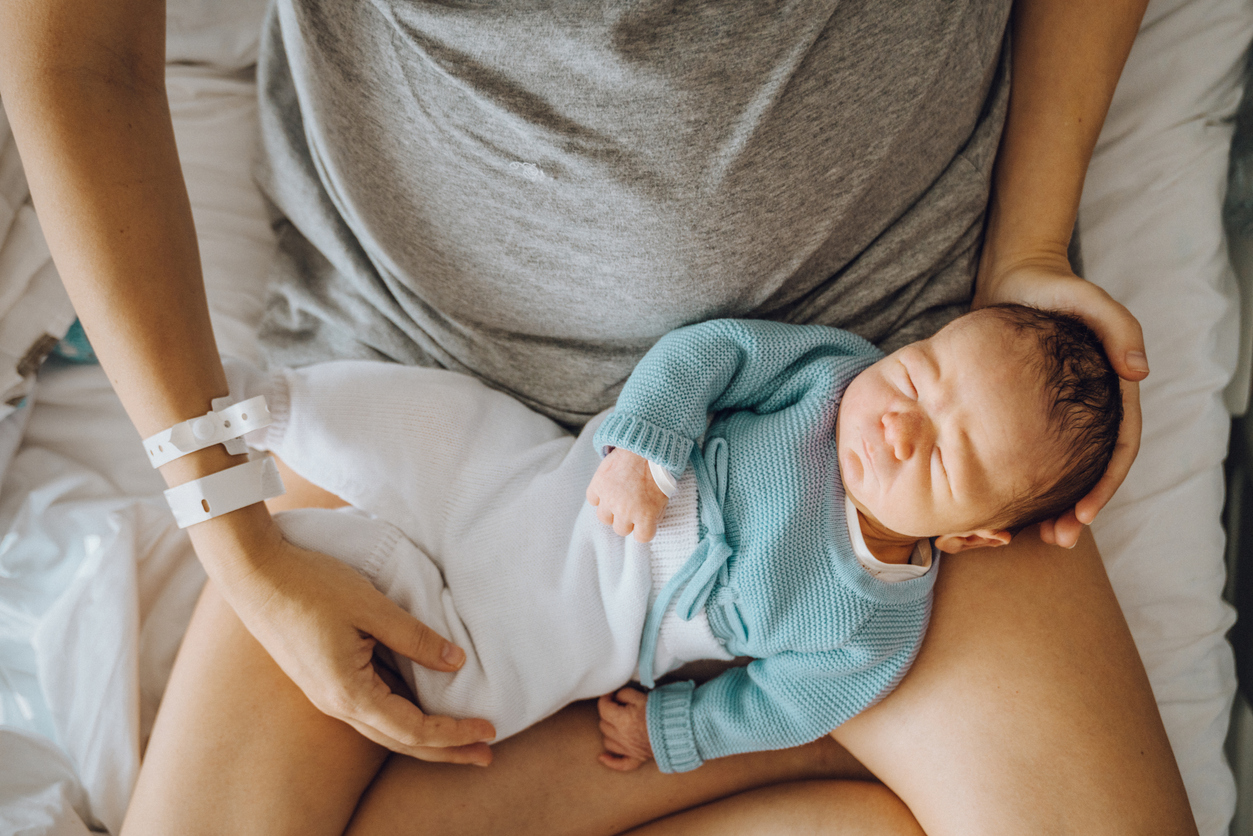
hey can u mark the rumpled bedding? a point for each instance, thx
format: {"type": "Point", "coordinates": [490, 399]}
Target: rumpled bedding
{"type": "Point", "coordinates": [97, 585]}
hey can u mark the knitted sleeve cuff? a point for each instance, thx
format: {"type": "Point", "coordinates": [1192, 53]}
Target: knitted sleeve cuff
{"type": "Point", "coordinates": [669, 712]}
{"type": "Point", "coordinates": [247, 381]}
{"type": "Point", "coordinates": [278, 399]}
{"type": "Point", "coordinates": [644, 438]}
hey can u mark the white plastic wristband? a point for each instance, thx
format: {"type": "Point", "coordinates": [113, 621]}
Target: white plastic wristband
{"type": "Point", "coordinates": [223, 427]}
{"type": "Point", "coordinates": [225, 491]}
{"type": "Point", "coordinates": [663, 478]}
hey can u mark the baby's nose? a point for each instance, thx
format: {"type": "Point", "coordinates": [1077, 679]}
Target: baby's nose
{"type": "Point", "coordinates": [902, 431]}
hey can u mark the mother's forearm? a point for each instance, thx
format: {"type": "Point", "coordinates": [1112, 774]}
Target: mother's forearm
{"type": "Point", "coordinates": [1067, 57]}
{"type": "Point", "coordinates": [90, 117]}
{"type": "Point", "coordinates": [83, 86]}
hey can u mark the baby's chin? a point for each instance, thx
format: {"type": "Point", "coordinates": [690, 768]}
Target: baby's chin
{"type": "Point", "coordinates": [882, 520]}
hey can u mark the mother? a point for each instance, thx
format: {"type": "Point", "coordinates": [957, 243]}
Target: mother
{"type": "Point", "coordinates": [534, 196]}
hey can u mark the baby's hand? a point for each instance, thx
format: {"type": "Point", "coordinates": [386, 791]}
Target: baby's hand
{"type": "Point", "coordinates": [626, 496]}
{"type": "Point", "coordinates": [624, 723]}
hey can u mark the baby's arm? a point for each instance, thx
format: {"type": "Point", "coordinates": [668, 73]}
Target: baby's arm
{"type": "Point", "coordinates": [788, 698]}
{"type": "Point", "coordinates": [626, 496]}
{"type": "Point", "coordinates": [723, 364]}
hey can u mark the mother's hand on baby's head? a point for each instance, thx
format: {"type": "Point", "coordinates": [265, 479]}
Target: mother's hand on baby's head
{"type": "Point", "coordinates": [1051, 284]}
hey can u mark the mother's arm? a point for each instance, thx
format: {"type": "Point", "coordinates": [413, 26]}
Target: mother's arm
{"type": "Point", "coordinates": [1067, 57]}
{"type": "Point", "coordinates": [83, 86]}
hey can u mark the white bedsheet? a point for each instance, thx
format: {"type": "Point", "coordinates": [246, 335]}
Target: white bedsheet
{"type": "Point", "coordinates": [96, 582]}
{"type": "Point", "coordinates": [96, 585]}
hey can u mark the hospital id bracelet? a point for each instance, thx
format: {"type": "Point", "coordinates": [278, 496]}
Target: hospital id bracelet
{"type": "Point", "coordinates": [663, 479]}
{"type": "Point", "coordinates": [225, 491]}
{"type": "Point", "coordinates": [223, 427]}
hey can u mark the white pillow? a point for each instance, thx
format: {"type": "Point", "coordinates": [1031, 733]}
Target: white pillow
{"type": "Point", "coordinates": [222, 33]}
{"type": "Point", "coordinates": [1152, 235]}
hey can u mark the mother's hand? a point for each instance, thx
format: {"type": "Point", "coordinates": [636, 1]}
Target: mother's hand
{"type": "Point", "coordinates": [1050, 283]}
{"type": "Point", "coordinates": [321, 622]}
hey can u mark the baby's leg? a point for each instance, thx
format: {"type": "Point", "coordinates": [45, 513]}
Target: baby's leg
{"type": "Point", "coordinates": [432, 452]}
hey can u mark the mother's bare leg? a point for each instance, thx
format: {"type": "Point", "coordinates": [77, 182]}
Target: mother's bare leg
{"type": "Point", "coordinates": [835, 808]}
{"type": "Point", "coordinates": [238, 749]}
{"type": "Point", "coordinates": [547, 780]}
{"type": "Point", "coordinates": [1027, 712]}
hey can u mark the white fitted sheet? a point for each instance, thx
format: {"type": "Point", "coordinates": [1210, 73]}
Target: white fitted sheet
{"type": "Point", "coordinates": [96, 585]}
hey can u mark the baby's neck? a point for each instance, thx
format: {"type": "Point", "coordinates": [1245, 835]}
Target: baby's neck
{"type": "Point", "coordinates": [887, 546]}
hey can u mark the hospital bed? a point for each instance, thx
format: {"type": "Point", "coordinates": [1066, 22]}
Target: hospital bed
{"type": "Point", "coordinates": [97, 584]}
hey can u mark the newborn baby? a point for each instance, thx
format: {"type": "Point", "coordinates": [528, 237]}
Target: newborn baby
{"type": "Point", "coordinates": [808, 476]}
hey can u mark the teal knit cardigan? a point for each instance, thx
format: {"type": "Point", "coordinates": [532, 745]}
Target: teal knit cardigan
{"type": "Point", "coordinates": [775, 570]}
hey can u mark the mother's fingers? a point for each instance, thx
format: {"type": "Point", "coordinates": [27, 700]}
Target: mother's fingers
{"type": "Point", "coordinates": [1057, 288]}
{"type": "Point", "coordinates": [375, 705]}
{"type": "Point", "coordinates": [399, 630]}
{"type": "Point", "coordinates": [1120, 333]}
{"type": "Point", "coordinates": [1065, 530]}
{"type": "Point", "coordinates": [392, 721]}
{"type": "Point", "coordinates": [474, 754]}
{"type": "Point", "coordinates": [1125, 450]}
{"type": "Point", "coordinates": [1054, 286]}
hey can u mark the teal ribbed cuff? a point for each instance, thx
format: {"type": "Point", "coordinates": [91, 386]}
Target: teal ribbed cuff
{"type": "Point", "coordinates": [644, 438]}
{"type": "Point", "coordinates": [669, 712]}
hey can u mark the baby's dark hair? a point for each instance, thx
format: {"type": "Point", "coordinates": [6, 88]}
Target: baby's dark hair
{"type": "Point", "coordinates": [1084, 408]}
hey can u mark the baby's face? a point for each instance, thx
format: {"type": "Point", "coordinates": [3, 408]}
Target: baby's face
{"type": "Point", "coordinates": [937, 437]}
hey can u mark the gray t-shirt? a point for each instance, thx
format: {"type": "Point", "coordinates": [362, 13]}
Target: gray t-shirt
{"type": "Point", "coordinates": [535, 192]}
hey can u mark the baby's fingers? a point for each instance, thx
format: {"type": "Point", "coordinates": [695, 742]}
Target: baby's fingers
{"type": "Point", "coordinates": [645, 529]}
{"type": "Point", "coordinates": [617, 755]}
{"type": "Point", "coordinates": [630, 696]}
{"type": "Point", "coordinates": [617, 706]}
{"type": "Point", "coordinates": [620, 763]}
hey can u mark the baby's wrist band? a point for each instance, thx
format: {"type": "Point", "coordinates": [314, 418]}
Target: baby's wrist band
{"type": "Point", "coordinates": [225, 491]}
{"type": "Point", "coordinates": [224, 424]}
{"type": "Point", "coordinates": [664, 479]}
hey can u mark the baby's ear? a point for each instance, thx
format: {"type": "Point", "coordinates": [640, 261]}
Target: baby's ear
{"type": "Point", "coordinates": [984, 538]}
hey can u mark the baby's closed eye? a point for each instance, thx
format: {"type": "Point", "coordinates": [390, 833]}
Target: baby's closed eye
{"type": "Point", "coordinates": [908, 386]}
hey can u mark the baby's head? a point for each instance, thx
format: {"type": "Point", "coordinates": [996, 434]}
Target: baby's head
{"type": "Point", "coordinates": [1006, 417]}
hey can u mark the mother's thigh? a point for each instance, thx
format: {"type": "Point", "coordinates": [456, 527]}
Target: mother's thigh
{"type": "Point", "coordinates": [238, 749]}
{"type": "Point", "coordinates": [547, 781]}
{"type": "Point", "coordinates": [1028, 709]}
